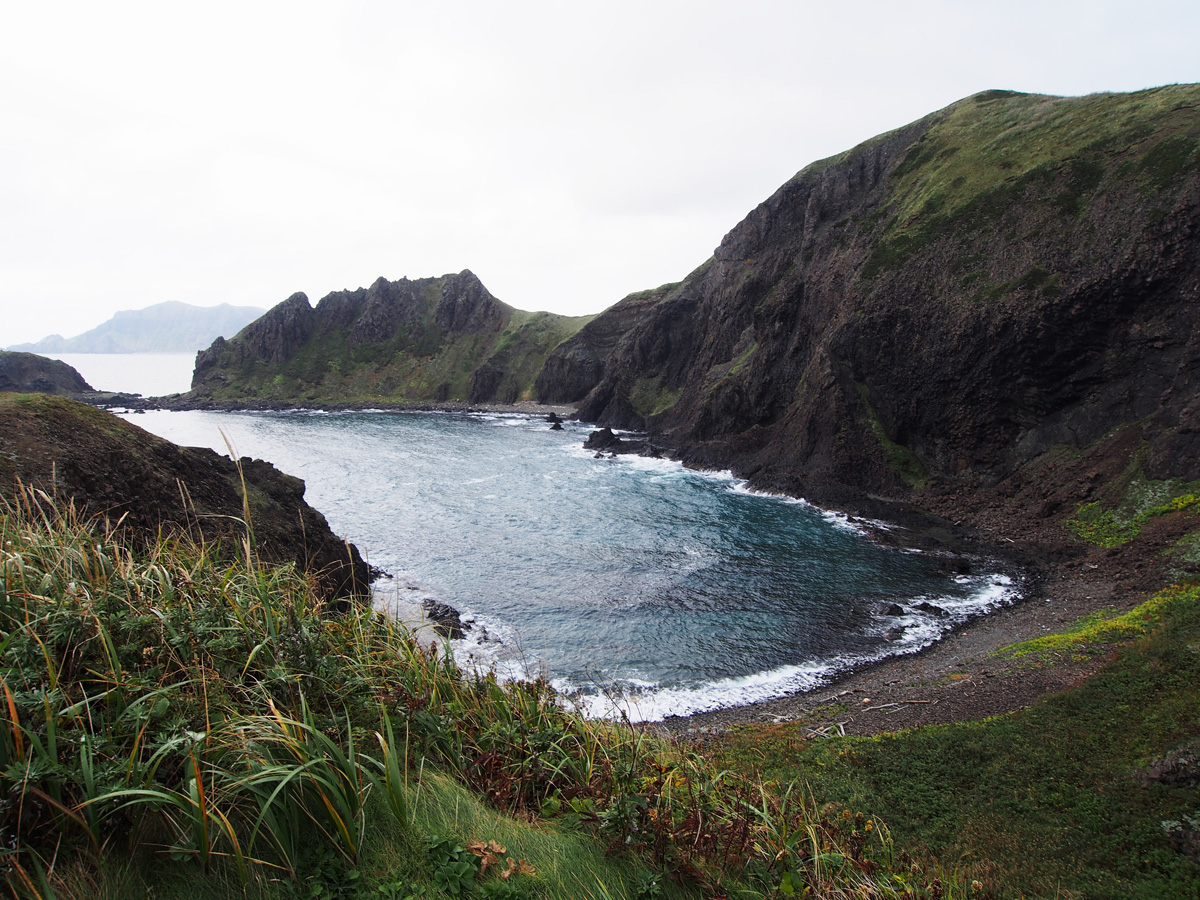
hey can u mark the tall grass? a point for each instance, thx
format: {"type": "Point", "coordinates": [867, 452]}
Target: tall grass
{"type": "Point", "coordinates": [161, 701]}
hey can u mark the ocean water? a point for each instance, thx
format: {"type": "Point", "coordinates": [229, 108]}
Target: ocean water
{"type": "Point", "coordinates": [631, 583]}
{"type": "Point", "coordinates": [148, 374]}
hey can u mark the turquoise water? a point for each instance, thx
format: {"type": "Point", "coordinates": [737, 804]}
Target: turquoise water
{"type": "Point", "coordinates": [630, 580]}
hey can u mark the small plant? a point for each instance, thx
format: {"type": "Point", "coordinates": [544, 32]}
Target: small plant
{"type": "Point", "coordinates": [649, 887]}
{"type": "Point", "coordinates": [502, 890]}
{"type": "Point", "coordinates": [455, 868]}
{"type": "Point", "coordinates": [327, 877]}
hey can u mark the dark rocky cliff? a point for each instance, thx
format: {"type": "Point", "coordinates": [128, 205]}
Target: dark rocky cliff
{"type": "Point", "coordinates": [25, 373]}
{"type": "Point", "coordinates": [108, 467]}
{"type": "Point", "coordinates": [430, 339]}
{"type": "Point", "coordinates": [945, 302]}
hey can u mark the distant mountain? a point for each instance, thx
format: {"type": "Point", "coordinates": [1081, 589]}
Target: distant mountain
{"type": "Point", "coordinates": [170, 327]}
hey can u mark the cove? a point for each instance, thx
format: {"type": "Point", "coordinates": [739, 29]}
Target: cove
{"type": "Point", "coordinates": [631, 583]}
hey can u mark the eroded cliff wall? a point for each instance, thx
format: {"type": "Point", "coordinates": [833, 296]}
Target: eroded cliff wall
{"type": "Point", "coordinates": [945, 301]}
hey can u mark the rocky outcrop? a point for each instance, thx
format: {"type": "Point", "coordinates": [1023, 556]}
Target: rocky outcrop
{"type": "Point", "coordinates": [578, 365]}
{"type": "Point", "coordinates": [26, 373]}
{"type": "Point", "coordinates": [110, 468]}
{"type": "Point", "coordinates": [466, 307]}
{"type": "Point", "coordinates": [946, 302]}
{"type": "Point", "coordinates": [430, 339]}
{"type": "Point", "coordinates": [447, 621]}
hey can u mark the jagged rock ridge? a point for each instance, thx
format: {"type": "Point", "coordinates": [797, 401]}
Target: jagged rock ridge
{"type": "Point", "coordinates": [947, 301]}
{"type": "Point", "coordinates": [433, 339]}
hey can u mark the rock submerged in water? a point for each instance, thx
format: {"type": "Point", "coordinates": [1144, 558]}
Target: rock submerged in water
{"type": "Point", "coordinates": [447, 621]}
{"type": "Point", "coordinates": [606, 440]}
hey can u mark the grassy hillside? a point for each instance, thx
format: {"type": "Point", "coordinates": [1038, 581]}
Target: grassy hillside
{"type": "Point", "coordinates": [1059, 800]}
{"type": "Point", "coordinates": [993, 152]}
{"type": "Point", "coordinates": [175, 725]}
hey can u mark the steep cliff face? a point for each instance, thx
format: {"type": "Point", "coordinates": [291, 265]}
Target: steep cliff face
{"type": "Point", "coordinates": [431, 339]}
{"type": "Point", "coordinates": [946, 301]}
{"type": "Point", "coordinates": [110, 468]}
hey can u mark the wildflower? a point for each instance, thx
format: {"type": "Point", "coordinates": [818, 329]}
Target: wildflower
{"type": "Point", "coordinates": [869, 826]}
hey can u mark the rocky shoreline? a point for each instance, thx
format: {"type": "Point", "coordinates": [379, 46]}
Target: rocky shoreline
{"type": "Point", "coordinates": [959, 677]}
{"type": "Point", "coordinates": [963, 676]}
{"type": "Point", "coordinates": [181, 402]}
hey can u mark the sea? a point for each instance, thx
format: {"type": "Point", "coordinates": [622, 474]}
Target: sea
{"type": "Point", "coordinates": [148, 374]}
{"type": "Point", "coordinates": [638, 587]}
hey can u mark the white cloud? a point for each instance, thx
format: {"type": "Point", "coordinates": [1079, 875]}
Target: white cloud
{"type": "Point", "coordinates": [567, 154]}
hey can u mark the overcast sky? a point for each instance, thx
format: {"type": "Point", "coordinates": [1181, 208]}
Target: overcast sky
{"type": "Point", "coordinates": [567, 153]}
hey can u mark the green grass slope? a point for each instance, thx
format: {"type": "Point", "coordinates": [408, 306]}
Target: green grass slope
{"type": "Point", "coordinates": [173, 724]}
{"type": "Point", "coordinates": [997, 151]}
{"type": "Point", "coordinates": [1053, 801]}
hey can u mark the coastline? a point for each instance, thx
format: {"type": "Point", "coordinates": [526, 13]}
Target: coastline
{"type": "Point", "coordinates": [959, 677]}
{"type": "Point", "coordinates": [962, 676]}
{"type": "Point", "coordinates": [184, 402]}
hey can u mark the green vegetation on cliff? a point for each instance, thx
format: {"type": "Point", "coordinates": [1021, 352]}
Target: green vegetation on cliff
{"type": "Point", "coordinates": [429, 340]}
{"type": "Point", "coordinates": [109, 468]}
{"type": "Point", "coordinates": [942, 303]}
{"type": "Point", "coordinates": [177, 725]}
{"type": "Point", "coordinates": [992, 154]}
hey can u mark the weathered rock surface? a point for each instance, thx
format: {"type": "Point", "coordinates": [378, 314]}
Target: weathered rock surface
{"type": "Point", "coordinates": [111, 468]}
{"type": "Point", "coordinates": [942, 304]}
{"type": "Point", "coordinates": [26, 373]}
{"type": "Point", "coordinates": [447, 621]}
{"type": "Point", "coordinates": [431, 339]}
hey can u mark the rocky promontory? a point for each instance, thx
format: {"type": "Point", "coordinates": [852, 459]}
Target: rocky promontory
{"type": "Point", "coordinates": [147, 486]}
{"type": "Point", "coordinates": [950, 304]}
{"type": "Point", "coordinates": [428, 340]}
{"type": "Point", "coordinates": [28, 373]}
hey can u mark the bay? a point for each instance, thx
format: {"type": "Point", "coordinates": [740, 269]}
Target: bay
{"type": "Point", "coordinates": [632, 583]}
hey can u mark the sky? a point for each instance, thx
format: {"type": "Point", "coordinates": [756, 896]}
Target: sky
{"type": "Point", "coordinates": [567, 153]}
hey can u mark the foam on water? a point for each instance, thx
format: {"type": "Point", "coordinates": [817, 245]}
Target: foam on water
{"type": "Point", "coordinates": [640, 700]}
{"type": "Point", "coordinates": [675, 589]}
{"type": "Point", "coordinates": [643, 701]}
